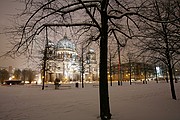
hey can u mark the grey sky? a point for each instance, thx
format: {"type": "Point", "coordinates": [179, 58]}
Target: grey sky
{"type": "Point", "coordinates": [7, 9]}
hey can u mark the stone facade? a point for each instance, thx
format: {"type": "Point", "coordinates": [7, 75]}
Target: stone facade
{"type": "Point", "coordinates": [64, 62]}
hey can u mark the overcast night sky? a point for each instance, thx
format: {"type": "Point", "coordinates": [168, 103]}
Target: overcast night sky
{"type": "Point", "coordinates": [7, 9]}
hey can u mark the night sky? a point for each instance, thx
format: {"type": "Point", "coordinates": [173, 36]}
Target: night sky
{"type": "Point", "coordinates": [7, 9]}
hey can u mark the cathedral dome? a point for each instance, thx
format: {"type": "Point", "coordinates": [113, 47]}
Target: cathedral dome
{"type": "Point", "coordinates": [65, 43]}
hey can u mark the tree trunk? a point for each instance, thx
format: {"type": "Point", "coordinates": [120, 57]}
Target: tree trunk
{"type": "Point", "coordinates": [110, 69]}
{"type": "Point", "coordinates": [103, 82]}
{"type": "Point", "coordinates": [145, 74]}
{"type": "Point", "coordinates": [45, 59]}
{"type": "Point", "coordinates": [171, 81]}
{"type": "Point", "coordinates": [119, 67]}
{"type": "Point", "coordinates": [169, 60]}
{"type": "Point", "coordinates": [82, 69]}
{"type": "Point", "coordinates": [130, 82]}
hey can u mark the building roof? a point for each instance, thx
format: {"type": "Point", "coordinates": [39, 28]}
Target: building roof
{"type": "Point", "coordinates": [65, 43]}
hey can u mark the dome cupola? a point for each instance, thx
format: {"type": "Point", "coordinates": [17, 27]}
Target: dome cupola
{"type": "Point", "coordinates": [65, 43]}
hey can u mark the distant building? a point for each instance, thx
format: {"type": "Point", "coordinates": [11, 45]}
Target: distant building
{"type": "Point", "coordinates": [64, 62]}
{"type": "Point", "coordinates": [138, 71]}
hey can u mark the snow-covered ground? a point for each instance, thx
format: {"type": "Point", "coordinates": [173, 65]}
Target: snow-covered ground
{"type": "Point", "coordinates": [150, 101]}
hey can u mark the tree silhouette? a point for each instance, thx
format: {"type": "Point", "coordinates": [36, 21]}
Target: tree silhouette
{"type": "Point", "coordinates": [160, 37]}
{"type": "Point", "coordinates": [103, 18]}
{"type": "Point", "coordinates": [27, 75]}
{"type": "Point", "coordinates": [17, 74]}
{"type": "Point", "coordinates": [4, 75]}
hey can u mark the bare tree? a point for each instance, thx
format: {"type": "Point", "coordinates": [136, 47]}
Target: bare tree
{"type": "Point", "coordinates": [31, 76]}
{"type": "Point", "coordinates": [104, 18]}
{"type": "Point", "coordinates": [17, 74]}
{"type": "Point", "coordinates": [24, 75]}
{"type": "Point", "coordinates": [4, 75]}
{"type": "Point", "coordinates": [160, 36]}
{"type": "Point", "coordinates": [28, 75]}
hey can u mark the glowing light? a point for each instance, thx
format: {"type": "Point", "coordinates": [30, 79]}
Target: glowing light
{"type": "Point", "coordinates": [39, 80]}
{"type": "Point", "coordinates": [10, 78]}
{"type": "Point", "coordinates": [158, 70]}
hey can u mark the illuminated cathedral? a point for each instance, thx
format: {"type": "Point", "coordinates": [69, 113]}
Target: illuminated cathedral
{"type": "Point", "coordinates": [65, 63]}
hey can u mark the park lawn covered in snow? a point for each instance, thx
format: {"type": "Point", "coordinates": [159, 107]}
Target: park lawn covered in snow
{"type": "Point", "coordinates": [150, 101]}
